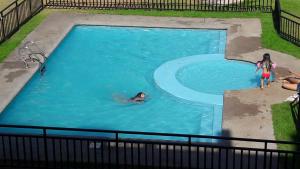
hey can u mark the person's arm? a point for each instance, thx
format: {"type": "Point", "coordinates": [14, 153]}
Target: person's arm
{"type": "Point", "coordinates": [294, 73]}
{"type": "Point", "coordinates": [258, 66]}
{"type": "Point", "coordinates": [297, 74]}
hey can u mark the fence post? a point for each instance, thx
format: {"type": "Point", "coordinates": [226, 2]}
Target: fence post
{"type": "Point", "coordinates": [265, 154]}
{"type": "Point", "coordinates": [2, 25]}
{"type": "Point", "coordinates": [117, 149]}
{"type": "Point", "coordinates": [298, 103]}
{"type": "Point", "coordinates": [30, 7]}
{"type": "Point", "coordinates": [277, 15]}
{"type": "Point", "coordinates": [17, 14]}
{"type": "Point", "coordinates": [190, 152]}
{"type": "Point", "coordinates": [45, 146]}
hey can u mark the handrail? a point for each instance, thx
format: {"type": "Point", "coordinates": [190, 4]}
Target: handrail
{"type": "Point", "coordinates": [149, 134]}
{"type": "Point", "coordinates": [283, 11]}
{"type": "Point", "coordinates": [10, 5]}
{"type": "Point", "coordinates": [137, 141]}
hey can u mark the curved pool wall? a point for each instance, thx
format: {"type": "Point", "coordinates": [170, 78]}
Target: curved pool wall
{"type": "Point", "coordinates": [165, 78]}
{"type": "Point", "coordinates": [95, 69]}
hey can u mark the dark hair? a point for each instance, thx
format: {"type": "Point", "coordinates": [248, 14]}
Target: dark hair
{"type": "Point", "coordinates": [267, 60]}
{"type": "Point", "coordinates": [139, 94]}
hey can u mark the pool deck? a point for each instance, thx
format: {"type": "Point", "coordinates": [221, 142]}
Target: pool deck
{"type": "Point", "coordinates": [247, 113]}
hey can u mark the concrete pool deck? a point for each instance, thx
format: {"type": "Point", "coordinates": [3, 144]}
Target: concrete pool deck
{"type": "Point", "coordinates": [247, 113]}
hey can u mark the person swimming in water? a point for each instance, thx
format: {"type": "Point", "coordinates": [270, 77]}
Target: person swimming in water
{"type": "Point", "coordinates": [139, 97]}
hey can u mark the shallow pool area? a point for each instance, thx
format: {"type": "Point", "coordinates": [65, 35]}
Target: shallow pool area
{"type": "Point", "coordinates": [95, 69]}
{"type": "Point", "coordinates": [219, 75]}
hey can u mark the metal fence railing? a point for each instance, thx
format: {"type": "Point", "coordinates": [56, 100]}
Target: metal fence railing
{"type": "Point", "coordinates": [50, 147]}
{"type": "Point", "coordinates": [295, 108]}
{"type": "Point", "coordinates": [16, 14]}
{"type": "Point", "coordinates": [201, 5]}
{"type": "Point", "coordinates": [287, 24]}
{"type": "Point", "coordinates": [20, 11]}
{"type": "Point", "coordinates": [290, 27]}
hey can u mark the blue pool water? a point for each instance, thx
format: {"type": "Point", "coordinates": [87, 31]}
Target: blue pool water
{"type": "Point", "coordinates": [96, 68]}
{"type": "Point", "coordinates": [235, 75]}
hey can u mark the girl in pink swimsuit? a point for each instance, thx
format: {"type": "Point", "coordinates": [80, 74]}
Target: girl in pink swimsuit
{"type": "Point", "coordinates": [266, 65]}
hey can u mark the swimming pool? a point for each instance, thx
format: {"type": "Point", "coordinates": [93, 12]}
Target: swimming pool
{"type": "Point", "coordinates": [95, 68]}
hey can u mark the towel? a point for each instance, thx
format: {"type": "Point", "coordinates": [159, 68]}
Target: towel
{"type": "Point", "coordinates": [293, 98]}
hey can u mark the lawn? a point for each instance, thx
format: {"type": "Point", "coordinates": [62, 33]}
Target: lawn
{"type": "Point", "coordinates": [4, 3]}
{"type": "Point", "coordinates": [292, 6]}
{"type": "Point", "coordinates": [285, 127]}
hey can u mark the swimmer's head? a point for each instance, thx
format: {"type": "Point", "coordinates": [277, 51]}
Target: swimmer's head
{"type": "Point", "coordinates": [140, 94]}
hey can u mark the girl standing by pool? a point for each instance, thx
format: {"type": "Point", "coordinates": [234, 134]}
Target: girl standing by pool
{"type": "Point", "coordinates": [266, 65]}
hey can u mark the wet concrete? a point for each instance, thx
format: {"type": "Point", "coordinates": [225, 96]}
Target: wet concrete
{"type": "Point", "coordinates": [12, 64]}
{"type": "Point", "coordinates": [233, 107]}
{"type": "Point", "coordinates": [234, 28]}
{"type": "Point", "coordinates": [247, 113]}
{"type": "Point", "coordinates": [11, 76]}
{"type": "Point", "coordinates": [241, 44]}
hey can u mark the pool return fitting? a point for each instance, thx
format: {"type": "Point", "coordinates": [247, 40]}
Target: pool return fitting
{"type": "Point", "coordinates": [31, 52]}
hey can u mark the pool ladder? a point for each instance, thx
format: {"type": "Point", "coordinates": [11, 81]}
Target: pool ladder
{"type": "Point", "coordinates": [31, 52]}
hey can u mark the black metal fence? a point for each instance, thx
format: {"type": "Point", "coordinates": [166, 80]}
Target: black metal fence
{"type": "Point", "coordinates": [198, 5]}
{"type": "Point", "coordinates": [16, 14]}
{"type": "Point", "coordinates": [48, 147]}
{"type": "Point", "coordinates": [295, 107]}
{"type": "Point", "coordinates": [287, 24]}
{"type": "Point", "coordinates": [20, 11]}
{"type": "Point", "coordinates": [290, 27]}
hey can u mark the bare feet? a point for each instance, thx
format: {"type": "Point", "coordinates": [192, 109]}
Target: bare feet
{"type": "Point", "coordinates": [285, 81]}
{"type": "Point", "coordinates": [282, 78]}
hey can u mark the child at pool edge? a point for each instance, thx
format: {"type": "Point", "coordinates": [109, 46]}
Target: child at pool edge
{"type": "Point", "coordinates": [139, 97]}
{"type": "Point", "coordinates": [266, 65]}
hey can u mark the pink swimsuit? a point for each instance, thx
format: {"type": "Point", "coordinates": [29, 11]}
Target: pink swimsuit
{"type": "Point", "coordinates": [266, 75]}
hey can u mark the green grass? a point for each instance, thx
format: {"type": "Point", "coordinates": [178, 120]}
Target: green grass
{"type": "Point", "coordinates": [270, 39]}
{"type": "Point", "coordinates": [8, 46]}
{"type": "Point", "coordinates": [284, 125]}
{"type": "Point", "coordinates": [292, 6]}
{"type": "Point", "coordinates": [4, 3]}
